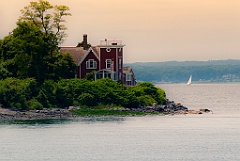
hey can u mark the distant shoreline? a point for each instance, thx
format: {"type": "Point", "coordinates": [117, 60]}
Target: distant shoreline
{"type": "Point", "coordinates": [197, 82]}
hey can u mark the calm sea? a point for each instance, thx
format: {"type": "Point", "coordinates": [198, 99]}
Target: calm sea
{"type": "Point", "coordinates": [208, 137]}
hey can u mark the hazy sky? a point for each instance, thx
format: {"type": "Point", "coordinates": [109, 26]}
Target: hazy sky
{"type": "Point", "coordinates": [153, 30]}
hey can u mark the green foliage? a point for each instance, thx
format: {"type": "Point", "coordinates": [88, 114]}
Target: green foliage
{"type": "Point", "coordinates": [30, 53]}
{"type": "Point", "coordinates": [80, 44]}
{"type": "Point", "coordinates": [86, 99]}
{"type": "Point", "coordinates": [41, 75]}
{"type": "Point", "coordinates": [64, 67]}
{"type": "Point", "coordinates": [4, 73]}
{"type": "Point", "coordinates": [161, 96]}
{"type": "Point", "coordinates": [31, 49]}
{"type": "Point", "coordinates": [146, 100]}
{"type": "Point", "coordinates": [44, 99]}
{"type": "Point", "coordinates": [34, 104]}
{"type": "Point", "coordinates": [148, 94]}
{"type": "Point", "coordinates": [15, 93]}
{"type": "Point", "coordinates": [130, 100]}
{"type": "Point", "coordinates": [27, 94]}
{"type": "Point", "coordinates": [46, 94]}
{"type": "Point", "coordinates": [90, 76]}
{"type": "Point", "coordinates": [46, 17]}
{"type": "Point", "coordinates": [107, 92]}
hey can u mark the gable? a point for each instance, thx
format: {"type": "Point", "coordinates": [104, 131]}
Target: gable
{"type": "Point", "coordinates": [77, 53]}
{"type": "Point", "coordinates": [91, 50]}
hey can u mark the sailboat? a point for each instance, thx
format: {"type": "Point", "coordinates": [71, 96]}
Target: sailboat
{"type": "Point", "coordinates": [189, 80]}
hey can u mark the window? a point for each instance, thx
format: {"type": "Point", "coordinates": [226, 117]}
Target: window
{"type": "Point", "coordinates": [91, 64]}
{"type": "Point", "coordinates": [108, 63]}
{"type": "Point", "coordinates": [120, 63]}
{"type": "Point", "coordinates": [129, 77]}
{"type": "Point", "coordinates": [108, 50]}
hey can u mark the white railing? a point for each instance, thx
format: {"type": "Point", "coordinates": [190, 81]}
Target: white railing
{"type": "Point", "coordinates": [110, 42]}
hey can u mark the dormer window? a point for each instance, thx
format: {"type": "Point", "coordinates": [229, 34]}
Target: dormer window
{"type": "Point", "coordinates": [91, 64]}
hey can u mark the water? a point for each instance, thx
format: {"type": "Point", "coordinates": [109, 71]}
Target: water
{"type": "Point", "coordinates": [223, 99]}
{"type": "Point", "coordinates": [208, 137]}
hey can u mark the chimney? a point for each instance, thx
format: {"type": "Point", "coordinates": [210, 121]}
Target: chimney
{"type": "Point", "coordinates": [85, 46]}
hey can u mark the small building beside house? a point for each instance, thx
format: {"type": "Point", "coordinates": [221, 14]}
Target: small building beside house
{"type": "Point", "coordinates": [105, 59]}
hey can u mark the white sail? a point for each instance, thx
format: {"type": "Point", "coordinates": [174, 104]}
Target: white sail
{"type": "Point", "coordinates": [189, 80]}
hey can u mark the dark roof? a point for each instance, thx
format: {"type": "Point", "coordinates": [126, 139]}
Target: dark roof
{"type": "Point", "coordinates": [96, 49]}
{"type": "Point", "coordinates": [77, 53]}
{"type": "Point", "coordinates": [127, 69]}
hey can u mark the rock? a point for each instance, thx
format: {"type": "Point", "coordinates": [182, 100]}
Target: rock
{"type": "Point", "coordinates": [73, 108]}
{"type": "Point", "coordinates": [192, 112]}
{"type": "Point", "coordinates": [6, 114]}
{"type": "Point", "coordinates": [204, 110]}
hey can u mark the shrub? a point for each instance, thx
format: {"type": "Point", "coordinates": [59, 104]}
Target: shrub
{"type": "Point", "coordinates": [46, 95]}
{"type": "Point", "coordinates": [34, 104]}
{"type": "Point", "coordinates": [86, 99]}
{"type": "Point", "coordinates": [146, 100]}
{"type": "Point", "coordinates": [147, 88]}
{"type": "Point", "coordinates": [25, 94]}
{"type": "Point", "coordinates": [15, 93]}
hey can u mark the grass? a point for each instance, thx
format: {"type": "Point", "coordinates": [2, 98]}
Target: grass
{"type": "Point", "coordinates": [107, 112]}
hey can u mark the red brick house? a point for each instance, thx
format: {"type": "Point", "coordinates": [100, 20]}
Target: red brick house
{"type": "Point", "coordinates": [105, 59]}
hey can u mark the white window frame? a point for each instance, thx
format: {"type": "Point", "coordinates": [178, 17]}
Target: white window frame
{"type": "Point", "coordinates": [91, 64]}
{"type": "Point", "coordinates": [108, 63]}
{"type": "Point", "coordinates": [120, 63]}
{"type": "Point", "coordinates": [108, 50]}
{"type": "Point", "coordinates": [128, 77]}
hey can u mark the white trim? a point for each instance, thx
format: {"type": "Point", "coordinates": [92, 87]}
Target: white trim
{"type": "Point", "coordinates": [80, 73]}
{"type": "Point", "coordinates": [89, 50]}
{"type": "Point", "coordinates": [108, 50]}
{"type": "Point", "coordinates": [116, 58]}
{"type": "Point", "coordinates": [88, 64]}
{"type": "Point", "coordinates": [110, 46]}
{"type": "Point", "coordinates": [106, 63]}
{"type": "Point", "coordinates": [128, 77]}
{"type": "Point", "coordinates": [119, 63]}
{"type": "Point", "coordinates": [99, 67]}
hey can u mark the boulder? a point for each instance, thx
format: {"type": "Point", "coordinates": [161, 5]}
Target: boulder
{"type": "Point", "coordinates": [204, 110]}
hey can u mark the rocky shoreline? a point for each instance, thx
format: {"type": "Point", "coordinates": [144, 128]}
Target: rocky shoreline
{"type": "Point", "coordinates": [170, 108]}
{"type": "Point", "coordinates": [8, 114]}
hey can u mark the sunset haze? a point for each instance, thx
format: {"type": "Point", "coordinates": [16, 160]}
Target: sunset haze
{"type": "Point", "coordinates": [153, 30]}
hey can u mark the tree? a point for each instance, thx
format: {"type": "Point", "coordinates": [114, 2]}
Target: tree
{"type": "Point", "coordinates": [80, 44]}
{"type": "Point", "coordinates": [29, 52]}
{"type": "Point", "coordinates": [47, 17]}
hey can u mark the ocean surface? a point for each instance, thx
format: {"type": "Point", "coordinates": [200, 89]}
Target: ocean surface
{"type": "Point", "coordinates": [207, 137]}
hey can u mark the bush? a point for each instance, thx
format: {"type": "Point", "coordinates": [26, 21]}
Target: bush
{"type": "Point", "coordinates": [46, 95]}
{"type": "Point", "coordinates": [146, 100]}
{"type": "Point", "coordinates": [15, 93]}
{"type": "Point", "coordinates": [87, 99]}
{"type": "Point", "coordinates": [34, 104]}
{"type": "Point", "coordinates": [147, 88]}
{"type": "Point", "coordinates": [25, 94]}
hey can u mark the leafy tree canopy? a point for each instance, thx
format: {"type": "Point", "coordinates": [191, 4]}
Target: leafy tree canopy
{"type": "Point", "coordinates": [47, 17]}
{"type": "Point", "coordinates": [31, 49]}
{"type": "Point", "coordinates": [80, 44]}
